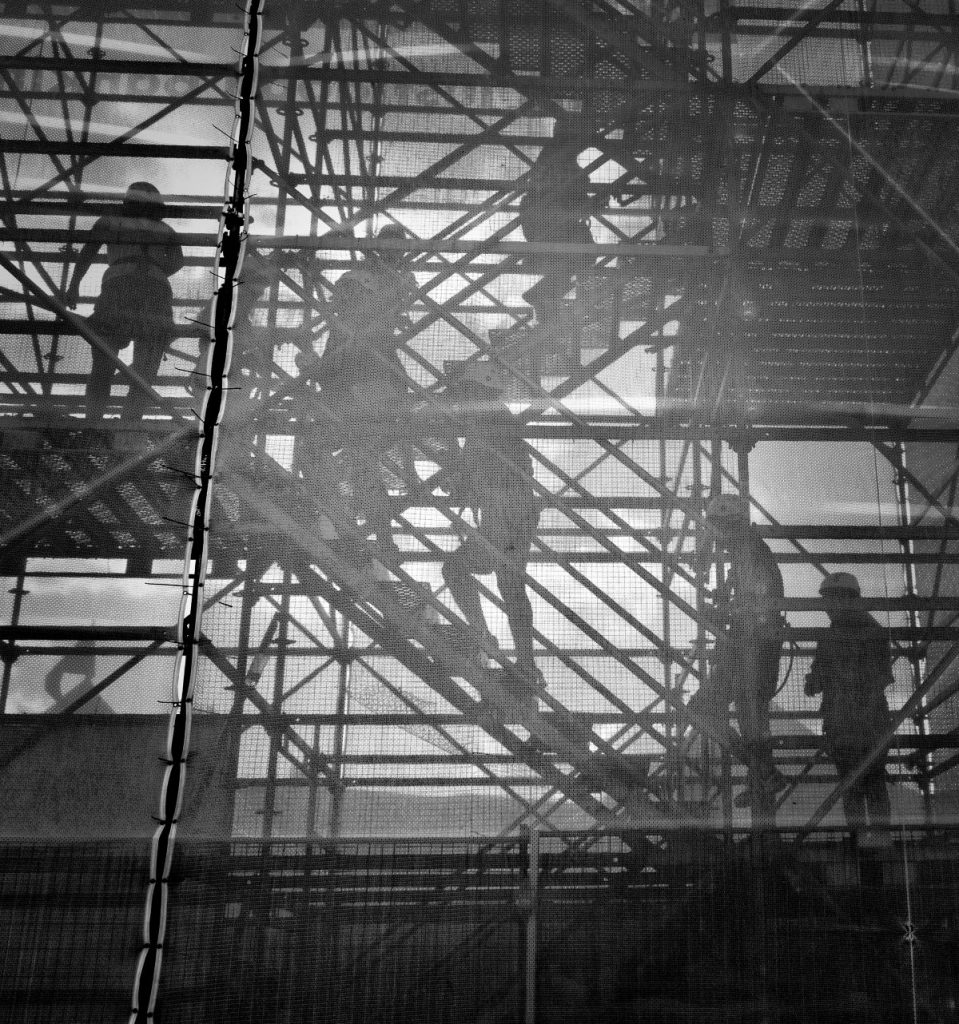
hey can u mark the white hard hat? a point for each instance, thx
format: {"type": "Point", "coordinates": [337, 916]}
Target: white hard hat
{"type": "Point", "coordinates": [844, 581]}
{"type": "Point", "coordinates": [729, 507]}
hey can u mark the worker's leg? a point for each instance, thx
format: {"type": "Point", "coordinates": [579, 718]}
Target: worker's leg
{"type": "Point", "coordinates": [854, 808]}
{"type": "Point", "coordinates": [846, 759]}
{"type": "Point", "coordinates": [511, 581]}
{"type": "Point", "coordinates": [398, 396]}
{"type": "Point", "coordinates": [148, 352]}
{"type": "Point", "coordinates": [102, 368]}
{"type": "Point", "coordinates": [545, 295]}
{"type": "Point", "coordinates": [325, 454]}
{"type": "Point", "coordinates": [559, 272]}
{"type": "Point", "coordinates": [324, 480]}
{"type": "Point", "coordinates": [756, 682]}
{"type": "Point", "coordinates": [555, 271]}
{"type": "Point", "coordinates": [151, 306]}
{"type": "Point", "coordinates": [371, 499]}
{"type": "Point", "coordinates": [459, 573]}
{"type": "Point", "coordinates": [710, 703]}
{"type": "Point", "coordinates": [507, 527]}
{"type": "Point", "coordinates": [370, 434]}
{"type": "Point", "coordinates": [876, 795]}
{"type": "Point", "coordinates": [752, 714]}
{"type": "Point", "coordinates": [112, 324]}
{"type": "Point", "coordinates": [759, 678]}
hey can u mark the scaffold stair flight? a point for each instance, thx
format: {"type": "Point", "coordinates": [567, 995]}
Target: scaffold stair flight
{"type": "Point", "coordinates": [586, 322]}
{"type": "Point", "coordinates": [417, 643]}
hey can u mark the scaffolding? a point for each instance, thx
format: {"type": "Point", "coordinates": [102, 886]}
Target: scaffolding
{"type": "Point", "coordinates": [766, 305]}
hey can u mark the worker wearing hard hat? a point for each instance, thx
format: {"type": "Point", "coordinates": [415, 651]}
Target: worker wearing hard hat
{"type": "Point", "coordinates": [745, 669]}
{"type": "Point", "coordinates": [556, 207]}
{"type": "Point", "coordinates": [135, 303]}
{"type": "Point", "coordinates": [495, 478]}
{"type": "Point", "coordinates": [851, 669]}
{"type": "Point", "coordinates": [364, 386]}
{"type": "Point", "coordinates": [368, 305]}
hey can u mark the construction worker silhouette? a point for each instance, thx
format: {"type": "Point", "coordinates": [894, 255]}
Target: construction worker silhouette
{"type": "Point", "coordinates": [494, 478]}
{"type": "Point", "coordinates": [135, 303]}
{"type": "Point", "coordinates": [556, 208]}
{"type": "Point", "coordinates": [745, 668]}
{"type": "Point", "coordinates": [365, 389]}
{"type": "Point", "coordinates": [852, 668]}
{"type": "Point", "coordinates": [368, 305]}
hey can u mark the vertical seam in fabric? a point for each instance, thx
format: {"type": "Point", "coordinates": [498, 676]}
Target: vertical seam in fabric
{"type": "Point", "coordinates": [231, 243]}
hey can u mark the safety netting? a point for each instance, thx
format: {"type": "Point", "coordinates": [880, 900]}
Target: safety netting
{"type": "Point", "coordinates": [479, 528]}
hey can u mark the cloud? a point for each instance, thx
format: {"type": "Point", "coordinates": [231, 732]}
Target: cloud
{"type": "Point", "coordinates": [110, 130]}
{"type": "Point", "coordinates": [107, 46]}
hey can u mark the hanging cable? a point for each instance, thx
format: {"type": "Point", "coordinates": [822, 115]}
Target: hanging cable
{"type": "Point", "coordinates": [900, 489]}
{"type": "Point", "coordinates": [793, 651]}
{"type": "Point", "coordinates": [903, 515]}
{"type": "Point", "coordinates": [229, 262]}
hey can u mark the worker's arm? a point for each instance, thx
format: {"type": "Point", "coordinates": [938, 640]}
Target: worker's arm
{"type": "Point", "coordinates": [85, 258]}
{"type": "Point", "coordinates": [170, 258]}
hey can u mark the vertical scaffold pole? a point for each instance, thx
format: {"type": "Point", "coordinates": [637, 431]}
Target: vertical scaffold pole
{"type": "Point", "coordinates": [8, 652]}
{"type": "Point", "coordinates": [917, 660]}
{"type": "Point", "coordinates": [229, 263]}
{"type": "Point", "coordinates": [719, 563]}
{"type": "Point", "coordinates": [531, 898]}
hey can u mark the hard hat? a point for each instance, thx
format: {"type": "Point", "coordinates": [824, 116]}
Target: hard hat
{"type": "Point", "coordinates": [143, 192]}
{"type": "Point", "coordinates": [391, 254]}
{"type": "Point", "coordinates": [727, 507]}
{"type": "Point", "coordinates": [844, 581]}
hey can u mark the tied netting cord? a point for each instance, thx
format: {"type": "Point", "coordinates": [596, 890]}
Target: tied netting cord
{"type": "Point", "coordinates": [229, 262]}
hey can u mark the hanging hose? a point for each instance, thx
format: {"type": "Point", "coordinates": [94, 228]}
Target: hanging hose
{"type": "Point", "coordinates": [793, 650]}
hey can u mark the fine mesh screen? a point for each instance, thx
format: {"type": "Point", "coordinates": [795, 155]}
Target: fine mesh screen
{"type": "Point", "coordinates": [570, 566]}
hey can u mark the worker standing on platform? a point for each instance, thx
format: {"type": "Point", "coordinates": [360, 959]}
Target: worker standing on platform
{"type": "Point", "coordinates": [494, 477]}
{"type": "Point", "coordinates": [745, 669]}
{"type": "Point", "coordinates": [136, 301]}
{"type": "Point", "coordinates": [852, 669]}
{"type": "Point", "coordinates": [556, 208]}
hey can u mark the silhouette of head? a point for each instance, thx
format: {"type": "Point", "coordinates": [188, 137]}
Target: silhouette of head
{"type": "Point", "coordinates": [391, 233]}
{"type": "Point", "coordinates": [144, 198]}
